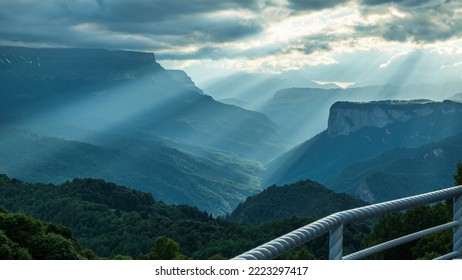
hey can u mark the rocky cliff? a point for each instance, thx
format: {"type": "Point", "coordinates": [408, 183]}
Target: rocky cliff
{"type": "Point", "coordinates": [125, 101]}
{"type": "Point", "coordinates": [127, 92]}
{"type": "Point", "coordinates": [348, 117]}
{"type": "Point", "coordinates": [31, 79]}
{"type": "Point", "coordinates": [359, 131]}
{"type": "Point", "coordinates": [92, 64]}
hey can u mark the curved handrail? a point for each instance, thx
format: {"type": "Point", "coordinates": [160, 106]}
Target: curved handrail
{"type": "Point", "coordinates": [399, 241]}
{"type": "Point", "coordinates": [333, 222]}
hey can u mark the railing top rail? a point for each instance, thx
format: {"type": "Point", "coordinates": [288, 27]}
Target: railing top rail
{"type": "Point", "coordinates": [306, 233]}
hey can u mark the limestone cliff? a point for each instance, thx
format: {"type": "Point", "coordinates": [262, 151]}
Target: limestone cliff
{"type": "Point", "coordinates": [95, 65]}
{"type": "Point", "coordinates": [348, 117]}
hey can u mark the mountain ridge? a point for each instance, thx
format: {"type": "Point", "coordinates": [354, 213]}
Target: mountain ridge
{"type": "Point", "coordinates": [305, 111]}
{"type": "Point", "coordinates": [141, 98]}
{"type": "Point", "coordinates": [213, 184]}
{"type": "Point", "coordinates": [401, 172]}
{"type": "Point", "coordinates": [324, 157]}
{"type": "Point", "coordinates": [179, 136]}
{"type": "Point", "coordinates": [114, 220]}
{"type": "Point", "coordinates": [347, 117]}
{"type": "Point", "coordinates": [303, 198]}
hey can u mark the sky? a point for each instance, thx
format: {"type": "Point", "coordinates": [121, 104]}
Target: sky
{"type": "Point", "coordinates": [346, 41]}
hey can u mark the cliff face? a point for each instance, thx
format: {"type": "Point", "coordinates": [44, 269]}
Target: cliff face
{"type": "Point", "coordinates": [127, 92]}
{"type": "Point", "coordinates": [89, 64]}
{"type": "Point", "coordinates": [348, 117]}
{"type": "Point", "coordinates": [33, 78]}
{"type": "Point", "coordinates": [126, 102]}
{"type": "Point", "coordinates": [360, 131]}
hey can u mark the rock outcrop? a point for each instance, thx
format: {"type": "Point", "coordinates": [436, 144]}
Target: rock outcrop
{"type": "Point", "coordinates": [360, 131]}
{"type": "Point", "coordinates": [348, 117]}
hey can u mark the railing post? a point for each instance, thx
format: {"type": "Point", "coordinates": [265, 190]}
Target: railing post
{"type": "Point", "coordinates": [457, 231]}
{"type": "Point", "coordinates": [336, 243]}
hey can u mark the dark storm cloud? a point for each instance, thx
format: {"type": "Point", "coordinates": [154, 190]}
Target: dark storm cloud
{"type": "Point", "coordinates": [408, 3]}
{"type": "Point", "coordinates": [116, 23]}
{"type": "Point", "coordinates": [196, 29]}
{"type": "Point", "coordinates": [148, 11]}
{"type": "Point", "coordinates": [298, 5]}
{"type": "Point", "coordinates": [192, 28]}
{"type": "Point", "coordinates": [421, 28]}
{"type": "Point", "coordinates": [425, 21]}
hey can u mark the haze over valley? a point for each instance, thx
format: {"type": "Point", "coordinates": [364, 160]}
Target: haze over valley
{"type": "Point", "coordinates": [120, 116]}
{"type": "Point", "coordinates": [225, 116]}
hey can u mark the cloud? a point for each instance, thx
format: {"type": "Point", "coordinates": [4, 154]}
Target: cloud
{"type": "Point", "coordinates": [314, 46]}
{"type": "Point", "coordinates": [298, 5]}
{"type": "Point", "coordinates": [407, 3]}
{"type": "Point", "coordinates": [277, 34]}
{"type": "Point", "coordinates": [418, 21]}
{"type": "Point", "coordinates": [113, 23]}
{"type": "Point", "coordinates": [209, 52]}
{"type": "Point", "coordinates": [155, 10]}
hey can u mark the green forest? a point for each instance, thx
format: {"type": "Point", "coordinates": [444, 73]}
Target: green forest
{"type": "Point", "coordinates": [303, 198]}
{"type": "Point", "coordinates": [95, 219]}
{"type": "Point", "coordinates": [23, 237]}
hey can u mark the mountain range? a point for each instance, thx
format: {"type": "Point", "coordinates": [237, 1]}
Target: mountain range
{"type": "Point", "coordinates": [215, 184]}
{"type": "Point", "coordinates": [126, 93]}
{"type": "Point", "coordinates": [252, 90]}
{"type": "Point", "coordinates": [120, 116]}
{"type": "Point", "coordinates": [305, 111]}
{"type": "Point", "coordinates": [362, 131]}
{"type": "Point", "coordinates": [78, 123]}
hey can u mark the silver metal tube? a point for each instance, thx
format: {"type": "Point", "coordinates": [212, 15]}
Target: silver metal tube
{"type": "Point", "coordinates": [327, 224]}
{"type": "Point", "coordinates": [457, 232]}
{"type": "Point", "coordinates": [449, 256]}
{"type": "Point", "coordinates": [336, 243]}
{"type": "Point", "coordinates": [399, 241]}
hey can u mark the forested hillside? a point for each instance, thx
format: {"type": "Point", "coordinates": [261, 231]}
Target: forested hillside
{"type": "Point", "coordinates": [216, 182]}
{"type": "Point", "coordinates": [399, 224]}
{"type": "Point", "coordinates": [120, 116]}
{"type": "Point", "coordinates": [111, 221]}
{"type": "Point", "coordinates": [304, 198]}
{"type": "Point", "coordinates": [23, 237]}
{"type": "Point", "coordinates": [401, 172]}
{"type": "Point", "coordinates": [114, 220]}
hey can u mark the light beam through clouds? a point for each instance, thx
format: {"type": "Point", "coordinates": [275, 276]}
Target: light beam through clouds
{"type": "Point", "coordinates": [209, 38]}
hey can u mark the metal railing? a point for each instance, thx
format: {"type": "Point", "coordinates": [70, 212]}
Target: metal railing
{"type": "Point", "coordinates": [335, 222]}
